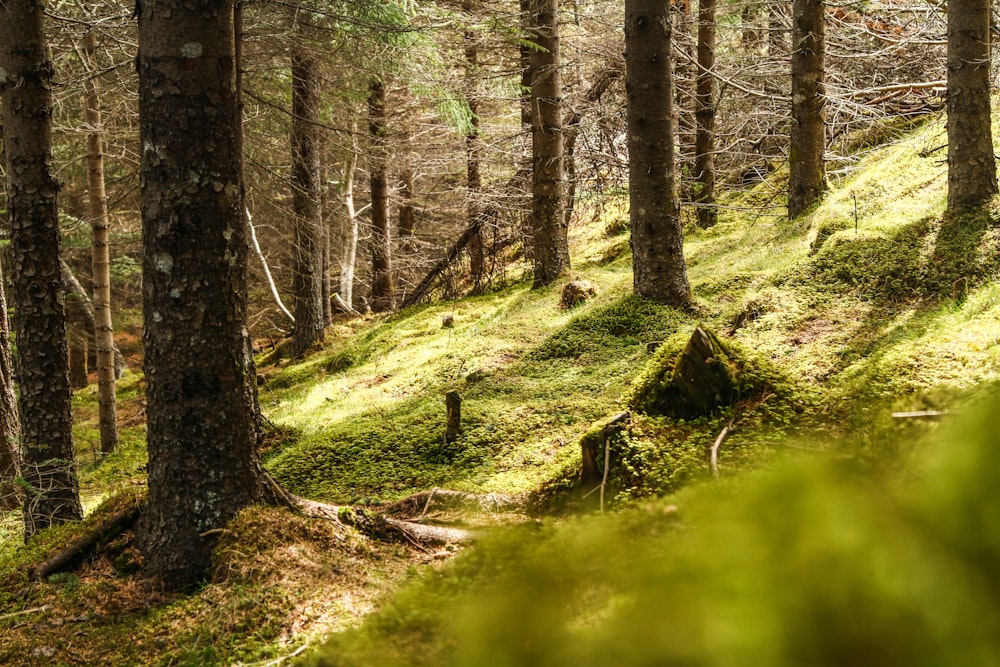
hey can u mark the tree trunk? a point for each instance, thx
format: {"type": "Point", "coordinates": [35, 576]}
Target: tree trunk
{"type": "Point", "coordinates": [549, 232]}
{"type": "Point", "coordinates": [307, 277]}
{"type": "Point", "coordinates": [10, 457]}
{"type": "Point", "coordinates": [807, 141]}
{"type": "Point", "coordinates": [104, 340]}
{"type": "Point", "coordinates": [383, 295]}
{"type": "Point", "coordinates": [685, 81]}
{"type": "Point", "coordinates": [473, 154]}
{"type": "Point", "coordinates": [407, 211]}
{"type": "Point", "coordinates": [80, 309]}
{"type": "Point", "coordinates": [201, 401]}
{"type": "Point", "coordinates": [349, 255]}
{"type": "Point", "coordinates": [972, 174]}
{"type": "Point", "coordinates": [45, 398]}
{"type": "Point", "coordinates": [704, 144]}
{"type": "Point", "coordinates": [659, 271]}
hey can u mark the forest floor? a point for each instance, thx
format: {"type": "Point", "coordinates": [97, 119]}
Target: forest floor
{"type": "Point", "coordinates": [874, 304]}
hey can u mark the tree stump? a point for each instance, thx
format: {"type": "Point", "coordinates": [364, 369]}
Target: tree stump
{"type": "Point", "coordinates": [575, 293]}
{"type": "Point", "coordinates": [592, 453]}
{"type": "Point", "coordinates": [453, 403]}
{"type": "Point", "coordinates": [700, 381]}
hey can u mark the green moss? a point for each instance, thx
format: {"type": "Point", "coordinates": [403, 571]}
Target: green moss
{"type": "Point", "coordinates": [629, 321]}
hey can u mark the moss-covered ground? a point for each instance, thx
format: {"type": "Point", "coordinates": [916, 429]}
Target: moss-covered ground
{"type": "Point", "coordinates": [875, 302]}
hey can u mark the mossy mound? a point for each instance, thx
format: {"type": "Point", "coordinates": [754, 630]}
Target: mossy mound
{"type": "Point", "coordinates": [697, 380]}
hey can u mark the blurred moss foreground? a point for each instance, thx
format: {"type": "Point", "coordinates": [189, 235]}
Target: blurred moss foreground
{"type": "Point", "coordinates": [815, 563]}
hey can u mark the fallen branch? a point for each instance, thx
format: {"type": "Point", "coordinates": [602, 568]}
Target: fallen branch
{"type": "Point", "coordinates": [417, 506]}
{"type": "Point", "coordinates": [24, 612]}
{"type": "Point", "coordinates": [920, 414]}
{"type": "Point", "coordinates": [267, 270]}
{"type": "Point", "coordinates": [714, 463]}
{"type": "Point", "coordinates": [83, 546]}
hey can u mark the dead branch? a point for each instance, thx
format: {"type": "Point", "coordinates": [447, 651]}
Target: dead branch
{"type": "Point", "coordinates": [86, 544]}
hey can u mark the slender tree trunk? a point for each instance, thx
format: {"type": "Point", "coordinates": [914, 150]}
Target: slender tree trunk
{"type": "Point", "coordinates": [549, 242]}
{"type": "Point", "coordinates": [972, 173]}
{"type": "Point", "coordinates": [407, 210]}
{"type": "Point", "coordinates": [383, 295]}
{"type": "Point", "coordinates": [473, 154]}
{"type": "Point", "coordinates": [201, 403]}
{"type": "Point", "coordinates": [45, 398]}
{"type": "Point", "coordinates": [10, 457]}
{"type": "Point", "coordinates": [307, 278]}
{"type": "Point", "coordinates": [704, 145]}
{"type": "Point", "coordinates": [685, 82]}
{"type": "Point", "coordinates": [807, 176]}
{"type": "Point", "coordinates": [350, 251]}
{"type": "Point", "coordinates": [104, 340]}
{"type": "Point", "coordinates": [659, 271]}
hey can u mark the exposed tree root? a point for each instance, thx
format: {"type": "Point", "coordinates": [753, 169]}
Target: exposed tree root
{"type": "Point", "coordinates": [398, 522]}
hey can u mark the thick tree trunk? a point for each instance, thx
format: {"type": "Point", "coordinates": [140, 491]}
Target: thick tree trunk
{"type": "Point", "coordinates": [383, 297]}
{"type": "Point", "coordinates": [549, 232]}
{"type": "Point", "coordinates": [972, 173]}
{"type": "Point", "coordinates": [307, 278]}
{"type": "Point", "coordinates": [659, 271]}
{"type": "Point", "coordinates": [201, 403]}
{"type": "Point", "coordinates": [807, 176]}
{"type": "Point", "coordinates": [10, 457]}
{"type": "Point", "coordinates": [45, 398]}
{"type": "Point", "coordinates": [704, 144]}
{"type": "Point", "coordinates": [104, 340]}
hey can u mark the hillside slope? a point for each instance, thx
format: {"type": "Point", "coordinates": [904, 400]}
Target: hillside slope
{"type": "Point", "coordinates": [851, 312]}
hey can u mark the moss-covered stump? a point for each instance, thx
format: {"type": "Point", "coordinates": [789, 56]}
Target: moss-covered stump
{"type": "Point", "coordinates": [702, 378]}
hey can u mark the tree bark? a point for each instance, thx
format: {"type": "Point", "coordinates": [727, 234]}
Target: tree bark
{"type": "Point", "coordinates": [807, 141]}
{"type": "Point", "coordinates": [10, 457]}
{"type": "Point", "coordinates": [201, 401]}
{"type": "Point", "coordinates": [549, 231]}
{"type": "Point", "coordinates": [704, 143]}
{"type": "Point", "coordinates": [659, 270]}
{"type": "Point", "coordinates": [473, 155]}
{"type": "Point", "coordinates": [383, 297]}
{"type": "Point", "coordinates": [104, 340]}
{"type": "Point", "coordinates": [407, 210]}
{"type": "Point", "coordinates": [43, 380]}
{"type": "Point", "coordinates": [307, 277]}
{"type": "Point", "coordinates": [972, 174]}
{"type": "Point", "coordinates": [349, 254]}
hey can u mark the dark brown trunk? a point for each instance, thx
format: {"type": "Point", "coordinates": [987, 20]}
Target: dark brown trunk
{"type": "Point", "coordinates": [972, 173]}
{"type": "Point", "coordinates": [10, 457]}
{"type": "Point", "coordinates": [307, 277]}
{"type": "Point", "coordinates": [104, 341]}
{"type": "Point", "coordinates": [659, 271]}
{"type": "Point", "coordinates": [685, 82]}
{"type": "Point", "coordinates": [704, 144]}
{"type": "Point", "coordinates": [407, 210]}
{"type": "Point", "coordinates": [807, 141]}
{"type": "Point", "coordinates": [473, 153]}
{"type": "Point", "coordinates": [201, 403]}
{"type": "Point", "coordinates": [383, 295]}
{"type": "Point", "coordinates": [549, 232]}
{"type": "Point", "coordinates": [48, 469]}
